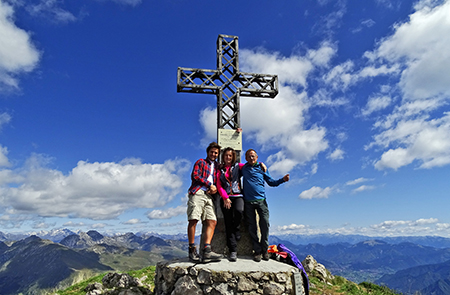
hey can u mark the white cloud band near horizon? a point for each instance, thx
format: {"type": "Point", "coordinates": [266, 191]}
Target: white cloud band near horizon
{"type": "Point", "coordinates": [392, 228]}
{"type": "Point", "coordinates": [96, 191]}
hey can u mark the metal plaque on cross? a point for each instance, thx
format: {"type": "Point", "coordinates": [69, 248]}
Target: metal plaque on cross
{"type": "Point", "coordinates": [227, 83]}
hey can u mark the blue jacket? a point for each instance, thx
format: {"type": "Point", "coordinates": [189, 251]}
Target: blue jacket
{"type": "Point", "coordinates": [254, 179]}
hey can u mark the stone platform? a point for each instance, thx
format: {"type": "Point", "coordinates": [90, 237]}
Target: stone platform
{"type": "Point", "coordinates": [244, 276]}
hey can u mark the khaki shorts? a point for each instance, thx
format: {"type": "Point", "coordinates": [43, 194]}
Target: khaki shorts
{"type": "Point", "coordinates": [201, 206]}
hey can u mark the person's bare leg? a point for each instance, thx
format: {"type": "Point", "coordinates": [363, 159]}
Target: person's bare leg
{"type": "Point", "coordinates": [209, 231]}
{"type": "Point", "coordinates": [191, 230]}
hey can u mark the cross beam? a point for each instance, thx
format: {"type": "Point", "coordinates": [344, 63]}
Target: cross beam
{"type": "Point", "coordinates": [227, 83]}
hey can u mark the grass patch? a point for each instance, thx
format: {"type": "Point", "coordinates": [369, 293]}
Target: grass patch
{"type": "Point", "coordinates": [341, 286]}
{"type": "Point", "coordinates": [78, 289]}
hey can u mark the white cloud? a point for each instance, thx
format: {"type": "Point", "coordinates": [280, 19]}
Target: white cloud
{"type": "Point", "coordinates": [316, 193]}
{"type": "Point", "coordinates": [5, 118]}
{"type": "Point", "coordinates": [314, 168]}
{"type": "Point", "coordinates": [74, 224]}
{"type": "Point", "coordinates": [4, 162]}
{"type": "Point", "coordinates": [51, 10]}
{"type": "Point", "coordinates": [167, 213]}
{"type": "Point", "coordinates": [337, 154]}
{"type": "Point", "coordinates": [93, 190]}
{"type": "Point", "coordinates": [341, 77]}
{"type": "Point", "coordinates": [423, 45]}
{"type": "Point", "coordinates": [357, 181]}
{"type": "Point", "coordinates": [363, 188]}
{"type": "Point", "coordinates": [392, 228]}
{"type": "Point", "coordinates": [291, 70]}
{"type": "Point", "coordinates": [99, 225]}
{"type": "Point", "coordinates": [416, 131]}
{"type": "Point", "coordinates": [388, 225]}
{"type": "Point", "coordinates": [427, 141]}
{"type": "Point", "coordinates": [42, 224]}
{"type": "Point", "coordinates": [133, 221]}
{"type": "Point", "coordinates": [376, 103]}
{"type": "Point", "coordinates": [278, 125]}
{"type": "Point", "coordinates": [292, 227]}
{"type": "Point", "coordinates": [17, 52]}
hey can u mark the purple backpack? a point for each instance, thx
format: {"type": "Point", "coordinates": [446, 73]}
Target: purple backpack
{"type": "Point", "coordinates": [294, 260]}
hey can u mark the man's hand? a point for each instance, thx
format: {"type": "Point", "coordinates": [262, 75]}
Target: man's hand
{"type": "Point", "coordinates": [227, 203]}
{"type": "Point", "coordinates": [286, 178]}
{"type": "Point", "coordinates": [263, 167]}
{"type": "Point", "coordinates": [212, 189]}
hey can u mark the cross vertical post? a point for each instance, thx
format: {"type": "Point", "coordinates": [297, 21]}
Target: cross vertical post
{"type": "Point", "coordinates": [228, 83]}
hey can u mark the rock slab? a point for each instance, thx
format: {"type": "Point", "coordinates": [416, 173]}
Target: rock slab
{"type": "Point", "coordinates": [225, 278]}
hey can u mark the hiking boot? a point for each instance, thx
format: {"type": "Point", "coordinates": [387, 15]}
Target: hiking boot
{"type": "Point", "coordinates": [266, 256]}
{"type": "Point", "coordinates": [210, 256]}
{"type": "Point", "coordinates": [257, 257]}
{"type": "Point", "coordinates": [233, 256]}
{"type": "Point", "coordinates": [193, 255]}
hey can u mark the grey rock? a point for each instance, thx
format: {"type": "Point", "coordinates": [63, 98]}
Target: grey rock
{"type": "Point", "coordinates": [273, 289]}
{"type": "Point", "coordinates": [115, 280]}
{"type": "Point", "coordinates": [204, 277]}
{"type": "Point", "coordinates": [245, 284]}
{"type": "Point", "coordinates": [186, 286]}
{"type": "Point", "coordinates": [280, 278]}
{"type": "Point", "coordinates": [223, 289]}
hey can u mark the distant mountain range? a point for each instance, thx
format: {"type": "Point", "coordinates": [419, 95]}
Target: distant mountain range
{"type": "Point", "coordinates": [56, 235]}
{"type": "Point", "coordinates": [33, 264]}
{"type": "Point", "coordinates": [50, 259]}
{"type": "Point", "coordinates": [326, 239]}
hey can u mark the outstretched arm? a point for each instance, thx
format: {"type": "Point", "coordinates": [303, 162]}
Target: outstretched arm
{"type": "Point", "coordinates": [272, 182]}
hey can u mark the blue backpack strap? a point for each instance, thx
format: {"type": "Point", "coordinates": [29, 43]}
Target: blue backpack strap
{"type": "Point", "coordinates": [297, 263]}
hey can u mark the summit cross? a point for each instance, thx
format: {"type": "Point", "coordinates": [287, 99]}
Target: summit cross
{"type": "Point", "coordinates": [227, 83]}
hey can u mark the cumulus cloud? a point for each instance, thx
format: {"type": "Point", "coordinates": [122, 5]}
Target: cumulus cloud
{"type": "Point", "coordinates": [17, 52]}
{"type": "Point", "coordinates": [363, 188]}
{"type": "Point", "coordinates": [337, 154]}
{"type": "Point", "coordinates": [133, 221]}
{"type": "Point", "coordinates": [316, 193]}
{"type": "Point", "coordinates": [419, 227]}
{"type": "Point", "coordinates": [420, 47]}
{"type": "Point", "coordinates": [92, 190]}
{"type": "Point", "coordinates": [291, 227]}
{"type": "Point", "coordinates": [278, 125]}
{"type": "Point", "coordinates": [357, 181]}
{"type": "Point", "coordinates": [74, 224]}
{"type": "Point", "coordinates": [376, 103]}
{"type": "Point", "coordinates": [427, 141]}
{"type": "Point", "coordinates": [387, 225]}
{"type": "Point", "coordinates": [4, 162]}
{"type": "Point", "coordinates": [167, 213]}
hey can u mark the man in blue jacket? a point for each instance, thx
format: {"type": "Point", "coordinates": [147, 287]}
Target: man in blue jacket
{"type": "Point", "coordinates": [254, 179]}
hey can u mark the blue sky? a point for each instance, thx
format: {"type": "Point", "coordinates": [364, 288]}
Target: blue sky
{"type": "Point", "coordinates": [93, 134]}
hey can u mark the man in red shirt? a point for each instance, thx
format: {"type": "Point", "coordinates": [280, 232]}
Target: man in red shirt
{"type": "Point", "coordinates": [201, 204]}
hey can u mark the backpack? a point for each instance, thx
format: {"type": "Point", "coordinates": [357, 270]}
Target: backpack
{"type": "Point", "coordinates": [293, 260]}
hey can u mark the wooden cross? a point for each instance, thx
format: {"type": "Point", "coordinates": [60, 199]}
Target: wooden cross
{"type": "Point", "coordinates": [227, 83]}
